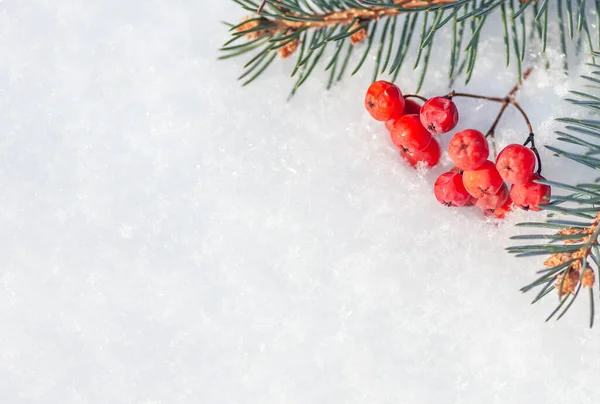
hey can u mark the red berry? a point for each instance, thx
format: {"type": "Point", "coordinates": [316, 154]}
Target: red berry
{"type": "Point", "coordinates": [493, 201]}
{"type": "Point", "coordinates": [410, 108]}
{"type": "Point", "coordinates": [501, 211]}
{"type": "Point", "coordinates": [390, 123]}
{"type": "Point", "coordinates": [516, 164]}
{"type": "Point", "coordinates": [439, 115]}
{"type": "Point", "coordinates": [429, 155]}
{"type": "Point", "coordinates": [408, 133]}
{"type": "Point", "coordinates": [384, 101]}
{"type": "Point", "coordinates": [472, 201]}
{"type": "Point", "coordinates": [468, 149]}
{"type": "Point", "coordinates": [483, 181]}
{"type": "Point", "coordinates": [450, 191]}
{"type": "Point", "coordinates": [530, 195]}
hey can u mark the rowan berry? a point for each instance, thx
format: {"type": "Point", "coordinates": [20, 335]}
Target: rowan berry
{"type": "Point", "coordinates": [429, 155]}
{"type": "Point", "coordinates": [384, 101]}
{"type": "Point", "coordinates": [408, 133]}
{"type": "Point", "coordinates": [483, 181]}
{"type": "Point", "coordinates": [439, 115]}
{"type": "Point", "coordinates": [516, 164]}
{"type": "Point", "coordinates": [450, 191]}
{"type": "Point", "coordinates": [493, 201]}
{"type": "Point", "coordinates": [502, 211]}
{"type": "Point", "coordinates": [468, 149]}
{"type": "Point", "coordinates": [410, 108]}
{"type": "Point", "coordinates": [530, 195]}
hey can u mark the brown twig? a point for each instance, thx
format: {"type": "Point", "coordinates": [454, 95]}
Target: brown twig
{"type": "Point", "coordinates": [346, 17]}
{"type": "Point", "coordinates": [453, 94]}
{"type": "Point", "coordinates": [527, 122]}
{"type": "Point", "coordinates": [509, 96]}
{"type": "Point", "coordinates": [518, 85]}
{"type": "Point", "coordinates": [420, 97]}
{"type": "Point", "coordinates": [506, 101]}
{"type": "Point", "coordinates": [530, 139]}
{"type": "Point", "coordinates": [492, 131]}
{"type": "Point", "coordinates": [262, 5]}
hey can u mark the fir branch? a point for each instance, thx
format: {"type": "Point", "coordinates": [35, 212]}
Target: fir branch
{"type": "Point", "coordinates": [345, 17]}
{"type": "Point", "coordinates": [573, 254]}
{"type": "Point", "coordinates": [284, 25]}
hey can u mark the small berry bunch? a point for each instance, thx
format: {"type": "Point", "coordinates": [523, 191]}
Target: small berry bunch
{"type": "Point", "coordinates": [475, 180]}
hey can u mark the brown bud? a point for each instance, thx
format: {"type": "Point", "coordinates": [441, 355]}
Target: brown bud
{"type": "Point", "coordinates": [359, 36]}
{"type": "Point", "coordinates": [249, 25]}
{"type": "Point", "coordinates": [557, 259]}
{"type": "Point", "coordinates": [570, 283]}
{"type": "Point", "coordinates": [588, 278]}
{"type": "Point", "coordinates": [572, 231]}
{"type": "Point", "coordinates": [289, 49]}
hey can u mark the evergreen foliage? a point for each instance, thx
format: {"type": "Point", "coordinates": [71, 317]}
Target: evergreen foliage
{"type": "Point", "coordinates": [394, 28]}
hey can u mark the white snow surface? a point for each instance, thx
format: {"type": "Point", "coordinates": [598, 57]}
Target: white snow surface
{"type": "Point", "coordinates": [170, 237]}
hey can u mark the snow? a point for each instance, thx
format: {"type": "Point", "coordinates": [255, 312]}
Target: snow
{"type": "Point", "coordinates": [170, 237]}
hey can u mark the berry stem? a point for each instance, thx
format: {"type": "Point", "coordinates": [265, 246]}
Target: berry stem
{"type": "Point", "coordinates": [531, 139]}
{"type": "Point", "coordinates": [509, 99]}
{"type": "Point", "coordinates": [518, 85]}
{"type": "Point", "coordinates": [478, 97]}
{"type": "Point", "coordinates": [492, 129]}
{"type": "Point", "coordinates": [262, 5]}
{"type": "Point", "coordinates": [517, 106]}
{"type": "Point", "coordinates": [491, 133]}
{"type": "Point", "coordinates": [415, 96]}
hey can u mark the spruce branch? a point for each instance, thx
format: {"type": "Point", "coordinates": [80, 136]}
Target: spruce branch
{"type": "Point", "coordinates": [294, 21]}
{"type": "Point", "coordinates": [390, 30]}
{"type": "Point", "coordinates": [573, 255]}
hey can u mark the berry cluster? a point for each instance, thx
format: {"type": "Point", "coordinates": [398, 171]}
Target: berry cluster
{"type": "Point", "coordinates": [475, 179]}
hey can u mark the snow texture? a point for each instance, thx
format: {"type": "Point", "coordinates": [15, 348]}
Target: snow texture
{"type": "Point", "coordinates": [169, 237]}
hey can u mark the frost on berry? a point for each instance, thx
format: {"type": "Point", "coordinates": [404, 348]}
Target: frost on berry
{"type": "Point", "coordinates": [408, 133]}
{"type": "Point", "coordinates": [502, 211]}
{"type": "Point", "coordinates": [468, 149]}
{"type": "Point", "coordinates": [384, 101]}
{"type": "Point", "coordinates": [530, 195]}
{"type": "Point", "coordinates": [516, 164]}
{"type": "Point", "coordinates": [483, 181]}
{"type": "Point", "coordinates": [493, 201]}
{"type": "Point", "coordinates": [450, 191]}
{"type": "Point", "coordinates": [439, 115]}
{"type": "Point", "coordinates": [429, 156]}
{"type": "Point", "coordinates": [410, 108]}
